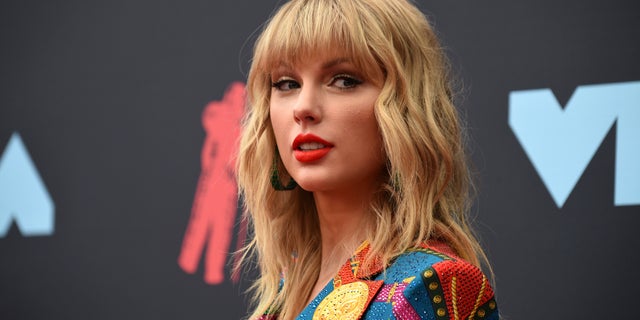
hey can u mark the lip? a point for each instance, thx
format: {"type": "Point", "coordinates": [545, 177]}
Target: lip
{"type": "Point", "coordinates": [310, 155]}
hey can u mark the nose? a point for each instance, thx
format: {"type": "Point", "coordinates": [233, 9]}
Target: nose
{"type": "Point", "coordinates": [307, 109]}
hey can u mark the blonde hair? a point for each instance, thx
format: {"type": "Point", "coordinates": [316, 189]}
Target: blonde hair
{"type": "Point", "coordinates": [426, 193]}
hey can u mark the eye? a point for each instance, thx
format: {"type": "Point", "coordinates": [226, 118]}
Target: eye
{"type": "Point", "coordinates": [344, 81]}
{"type": "Point", "coordinates": [285, 85]}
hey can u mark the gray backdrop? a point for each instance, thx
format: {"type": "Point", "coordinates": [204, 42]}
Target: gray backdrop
{"type": "Point", "coordinates": [107, 97]}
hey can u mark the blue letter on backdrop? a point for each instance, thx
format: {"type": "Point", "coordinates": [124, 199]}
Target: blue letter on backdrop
{"type": "Point", "coordinates": [23, 196]}
{"type": "Point", "coordinates": [560, 143]}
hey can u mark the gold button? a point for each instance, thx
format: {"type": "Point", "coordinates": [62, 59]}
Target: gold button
{"type": "Point", "coordinates": [492, 305]}
{"type": "Point", "coordinates": [481, 313]}
{"type": "Point", "coordinates": [433, 285]}
{"type": "Point", "coordinates": [441, 312]}
{"type": "Point", "coordinates": [437, 299]}
{"type": "Point", "coordinates": [428, 274]}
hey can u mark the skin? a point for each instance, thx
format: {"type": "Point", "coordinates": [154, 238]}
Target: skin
{"type": "Point", "coordinates": [327, 96]}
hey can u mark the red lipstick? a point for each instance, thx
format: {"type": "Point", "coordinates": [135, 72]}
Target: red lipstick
{"type": "Point", "coordinates": [309, 147]}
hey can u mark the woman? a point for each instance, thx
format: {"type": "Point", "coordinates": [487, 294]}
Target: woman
{"type": "Point", "coordinates": [352, 169]}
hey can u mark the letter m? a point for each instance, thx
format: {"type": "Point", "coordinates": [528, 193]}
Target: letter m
{"type": "Point", "coordinates": [561, 143]}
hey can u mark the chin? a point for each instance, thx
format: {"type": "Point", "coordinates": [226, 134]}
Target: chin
{"type": "Point", "coordinates": [309, 186]}
{"type": "Point", "coordinates": [313, 185]}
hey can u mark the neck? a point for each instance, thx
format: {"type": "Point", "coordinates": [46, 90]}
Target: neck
{"type": "Point", "coordinates": [344, 221]}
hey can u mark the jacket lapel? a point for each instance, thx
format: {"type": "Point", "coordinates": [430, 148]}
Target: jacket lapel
{"type": "Point", "coordinates": [353, 292]}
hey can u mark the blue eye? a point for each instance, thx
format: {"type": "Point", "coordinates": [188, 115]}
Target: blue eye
{"type": "Point", "coordinates": [345, 82]}
{"type": "Point", "coordinates": [285, 85]}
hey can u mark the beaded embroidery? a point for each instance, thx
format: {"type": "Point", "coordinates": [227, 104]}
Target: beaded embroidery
{"type": "Point", "coordinates": [345, 302]}
{"type": "Point", "coordinates": [425, 283]}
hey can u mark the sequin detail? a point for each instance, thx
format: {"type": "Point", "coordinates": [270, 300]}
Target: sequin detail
{"type": "Point", "coordinates": [347, 302]}
{"type": "Point", "coordinates": [423, 283]}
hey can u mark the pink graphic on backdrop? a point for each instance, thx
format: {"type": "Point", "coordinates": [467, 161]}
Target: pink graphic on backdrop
{"type": "Point", "coordinates": [215, 203]}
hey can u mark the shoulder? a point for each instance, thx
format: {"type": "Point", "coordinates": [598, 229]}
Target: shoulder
{"type": "Point", "coordinates": [459, 290]}
{"type": "Point", "coordinates": [432, 283]}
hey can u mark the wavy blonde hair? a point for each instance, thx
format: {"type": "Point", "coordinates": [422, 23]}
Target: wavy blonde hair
{"type": "Point", "coordinates": [426, 194]}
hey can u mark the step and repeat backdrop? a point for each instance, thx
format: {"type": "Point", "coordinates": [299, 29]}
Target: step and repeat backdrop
{"type": "Point", "coordinates": [117, 119]}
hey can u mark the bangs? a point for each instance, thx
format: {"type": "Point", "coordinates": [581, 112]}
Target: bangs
{"type": "Point", "coordinates": [303, 30]}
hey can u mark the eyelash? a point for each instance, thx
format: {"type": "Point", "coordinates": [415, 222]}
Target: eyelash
{"type": "Point", "coordinates": [278, 84]}
{"type": "Point", "coordinates": [356, 82]}
{"type": "Point", "coordinates": [347, 78]}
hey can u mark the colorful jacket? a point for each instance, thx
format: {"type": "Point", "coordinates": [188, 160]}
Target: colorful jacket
{"type": "Point", "coordinates": [425, 283]}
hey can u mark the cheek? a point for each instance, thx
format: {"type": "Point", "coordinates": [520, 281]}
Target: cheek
{"type": "Point", "coordinates": [374, 137]}
{"type": "Point", "coordinates": [278, 124]}
{"type": "Point", "coordinates": [366, 137]}
{"type": "Point", "coordinates": [375, 142]}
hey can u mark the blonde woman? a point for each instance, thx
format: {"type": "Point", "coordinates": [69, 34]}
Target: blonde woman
{"type": "Point", "coordinates": [353, 172]}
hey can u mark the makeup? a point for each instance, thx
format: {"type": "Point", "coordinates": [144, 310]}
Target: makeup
{"type": "Point", "coordinates": [309, 147]}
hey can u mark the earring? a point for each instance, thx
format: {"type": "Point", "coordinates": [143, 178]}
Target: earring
{"type": "Point", "coordinates": [394, 178]}
{"type": "Point", "coordinates": [275, 177]}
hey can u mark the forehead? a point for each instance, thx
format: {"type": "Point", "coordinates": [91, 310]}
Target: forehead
{"type": "Point", "coordinates": [305, 31]}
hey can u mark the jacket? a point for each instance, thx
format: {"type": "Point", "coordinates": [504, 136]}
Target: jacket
{"type": "Point", "coordinates": [423, 283]}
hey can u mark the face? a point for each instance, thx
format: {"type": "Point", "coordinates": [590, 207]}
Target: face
{"type": "Point", "coordinates": [322, 113]}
